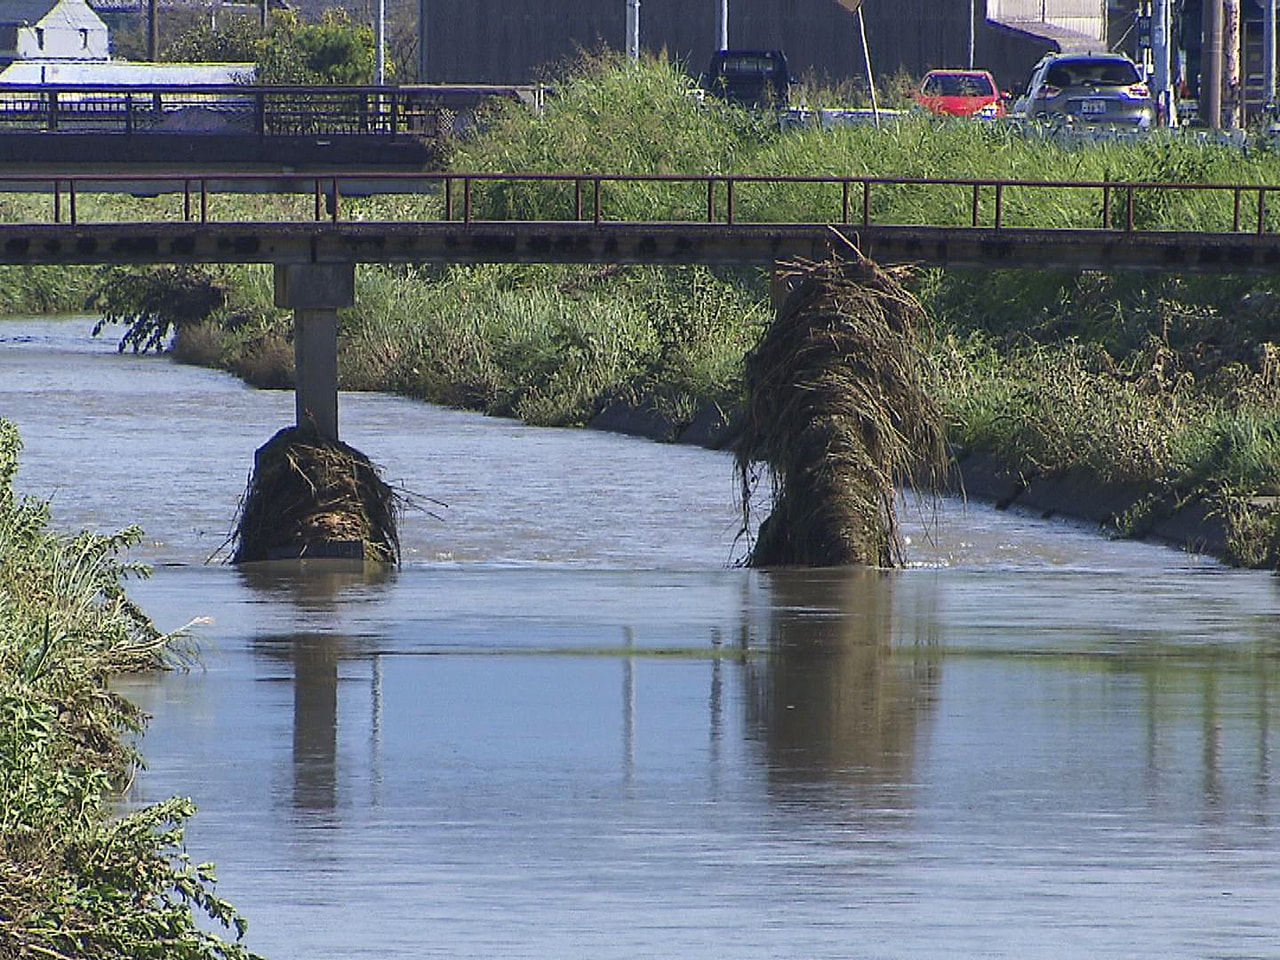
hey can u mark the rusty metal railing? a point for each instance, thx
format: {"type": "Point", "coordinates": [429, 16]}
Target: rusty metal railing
{"type": "Point", "coordinates": [265, 111]}
{"type": "Point", "coordinates": [986, 199]}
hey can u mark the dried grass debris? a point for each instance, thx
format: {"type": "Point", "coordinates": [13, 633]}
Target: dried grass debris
{"type": "Point", "coordinates": [313, 497]}
{"type": "Point", "coordinates": [838, 412]}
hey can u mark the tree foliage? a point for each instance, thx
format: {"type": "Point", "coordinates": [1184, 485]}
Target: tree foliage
{"type": "Point", "coordinates": [335, 50]}
{"type": "Point", "coordinates": [156, 301]}
{"type": "Point", "coordinates": [236, 40]}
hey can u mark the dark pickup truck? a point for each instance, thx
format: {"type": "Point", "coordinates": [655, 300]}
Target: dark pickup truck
{"type": "Point", "coordinates": [752, 78]}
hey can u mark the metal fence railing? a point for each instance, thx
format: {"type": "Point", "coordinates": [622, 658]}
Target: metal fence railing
{"type": "Point", "coordinates": [410, 111]}
{"type": "Point", "coordinates": [728, 201]}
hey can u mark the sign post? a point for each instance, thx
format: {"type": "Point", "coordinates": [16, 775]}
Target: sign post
{"type": "Point", "coordinates": [855, 6]}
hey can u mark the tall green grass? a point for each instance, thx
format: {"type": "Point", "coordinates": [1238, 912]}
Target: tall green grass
{"type": "Point", "coordinates": [550, 345]}
{"type": "Point", "coordinates": [75, 882]}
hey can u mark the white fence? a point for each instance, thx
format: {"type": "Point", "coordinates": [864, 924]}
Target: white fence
{"type": "Point", "coordinates": [1088, 17]}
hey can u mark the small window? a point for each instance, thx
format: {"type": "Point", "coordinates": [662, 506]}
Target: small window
{"type": "Point", "coordinates": [84, 38]}
{"type": "Point", "coordinates": [1093, 73]}
{"type": "Point", "coordinates": [40, 37]}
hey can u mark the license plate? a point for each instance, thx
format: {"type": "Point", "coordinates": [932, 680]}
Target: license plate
{"type": "Point", "coordinates": [1094, 106]}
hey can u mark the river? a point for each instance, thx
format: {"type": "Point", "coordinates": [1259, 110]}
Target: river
{"type": "Point", "coordinates": [568, 727]}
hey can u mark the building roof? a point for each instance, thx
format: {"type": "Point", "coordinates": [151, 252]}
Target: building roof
{"type": "Point", "coordinates": [123, 72]}
{"type": "Point", "coordinates": [33, 11]}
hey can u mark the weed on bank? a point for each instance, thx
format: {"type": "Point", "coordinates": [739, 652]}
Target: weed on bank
{"type": "Point", "coordinates": [75, 881]}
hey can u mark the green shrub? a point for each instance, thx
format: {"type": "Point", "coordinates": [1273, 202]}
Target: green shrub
{"type": "Point", "coordinates": [73, 881]}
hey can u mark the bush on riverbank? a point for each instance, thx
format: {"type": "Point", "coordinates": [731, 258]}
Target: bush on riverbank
{"type": "Point", "coordinates": [74, 882]}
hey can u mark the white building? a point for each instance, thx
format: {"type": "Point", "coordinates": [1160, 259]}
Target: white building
{"type": "Point", "coordinates": [1086, 19]}
{"type": "Point", "coordinates": [66, 42]}
{"type": "Point", "coordinates": [52, 30]}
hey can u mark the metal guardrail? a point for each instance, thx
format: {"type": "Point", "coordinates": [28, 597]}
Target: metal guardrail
{"type": "Point", "coordinates": [267, 111]}
{"type": "Point", "coordinates": [587, 195]}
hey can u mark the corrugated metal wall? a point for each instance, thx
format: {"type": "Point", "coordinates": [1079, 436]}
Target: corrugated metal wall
{"type": "Point", "coordinates": [509, 41]}
{"type": "Point", "coordinates": [1088, 17]}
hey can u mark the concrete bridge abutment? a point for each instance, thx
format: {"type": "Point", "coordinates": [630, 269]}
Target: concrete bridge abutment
{"type": "Point", "coordinates": [315, 292]}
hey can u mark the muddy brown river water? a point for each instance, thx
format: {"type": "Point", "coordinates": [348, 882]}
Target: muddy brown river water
{"type": "Point", "coordinates": [568, 727]}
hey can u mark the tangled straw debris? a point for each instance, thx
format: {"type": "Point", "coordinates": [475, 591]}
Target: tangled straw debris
{"type": "Point", "coordinates": [838, 412]}
{"type": "Point", "coordinates": [312, 497]}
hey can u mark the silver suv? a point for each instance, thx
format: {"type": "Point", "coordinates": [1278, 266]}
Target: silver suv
{"type": "Point", "coordinates": [1088, 88]}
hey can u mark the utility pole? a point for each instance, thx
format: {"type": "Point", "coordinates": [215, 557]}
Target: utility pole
{"type": "Point", "coordinates": [380, 55]}
{"type": "Point", "coordinates": [633, 29]}
{"type": "Point", "coordinates": [1161, 24]}
{"type": "Point", "coordinates": [973, 29]}
{"type": "Point", "coordinates": [153, 31]}
{"type": "Point", "coordinates": [724, 24]}
{"type": "Point", "coordinates": [1269, 52]}
{"type": "Point", "coordinates": [1211, 64]}
{"type": "Point", "coordinates": [1231, 64]}
{"type": "Point", "coordinates": [422, 40]}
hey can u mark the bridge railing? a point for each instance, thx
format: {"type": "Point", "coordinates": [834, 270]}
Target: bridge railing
{"type": "Point", "coordinates": [269, 111]}
{"type": "Point", "coordinates": [731, 200]}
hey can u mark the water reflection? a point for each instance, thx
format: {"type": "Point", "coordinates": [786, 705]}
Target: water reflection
{"type": "Point", "coordinates": [837, 706]}
{"type": "Point", "coordinates": [317, 587]}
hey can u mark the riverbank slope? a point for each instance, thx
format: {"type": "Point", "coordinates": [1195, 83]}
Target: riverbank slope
{"type": "Point", "coordinates": [75, 881]}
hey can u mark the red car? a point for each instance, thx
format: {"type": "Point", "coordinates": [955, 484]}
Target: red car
{"type": "Point", "coordinates": [961, 93]}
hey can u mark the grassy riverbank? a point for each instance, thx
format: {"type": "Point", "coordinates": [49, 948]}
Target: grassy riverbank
{"type": "Point", "coordinates": [1162, 385]}
{"type": "Point", "coordinates": [74, 880]}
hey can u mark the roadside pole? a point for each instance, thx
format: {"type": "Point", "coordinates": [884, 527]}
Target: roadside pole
{"type": "Point", "coordinates": [973, 29]}
{"type": "Point", "coordinates": [1269, 52]}
{"type": "Point", "coordinates": [724, 24]}
{"type": "Point", "coordinates": [1160, 48]}
{"type": "Point", "coordinates": [866, 56]}
{"type": "Point", "coordinates": [153, 31]}
{"type": "Point", "coordinates": [1211, 65]}
{"type": "Point", "coordinates": [380, 68]}
{"type": "Point", "coordinates": [422, 40]}
{"type": "Point", "coordinates": [633, 29]}
{"type": "Point", "coordinates": [1234, 119]}
{"type": "Point", "coordinates": [855, 7]}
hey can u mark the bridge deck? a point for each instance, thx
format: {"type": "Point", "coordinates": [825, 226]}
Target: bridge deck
{"type": "Point", "coordinates": [656, 243]}
{"type": "Point", "coordinates": [202, 125]}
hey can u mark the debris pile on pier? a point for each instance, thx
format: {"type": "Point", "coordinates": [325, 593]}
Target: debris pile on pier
{"type": "Point", "coordinates": [313, 497]}
{"type": "Point", "coordinates": [838, 412]}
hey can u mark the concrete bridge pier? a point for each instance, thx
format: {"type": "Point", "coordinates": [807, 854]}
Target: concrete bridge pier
{"type": "Point", "coordinates": [316, 292]}
{"type": "Point", "coordinates": [312, 496]}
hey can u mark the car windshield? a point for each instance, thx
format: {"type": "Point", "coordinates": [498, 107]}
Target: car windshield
{"type": "Point", "coordinates": [957, 85]}
{"type": "Point", "coordinates": [1108, 72]}
{"type": "Point", "coordinates": [748, 66]}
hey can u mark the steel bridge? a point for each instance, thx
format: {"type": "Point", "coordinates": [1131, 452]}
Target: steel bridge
{"type": "Point", "coordinates": [237, 125]}
{"type": "Point", "coordinates": [630, 218]}
{"type": "Point", "coordinates": [323, 225]}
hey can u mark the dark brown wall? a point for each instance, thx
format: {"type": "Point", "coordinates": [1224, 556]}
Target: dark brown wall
{"type": "Point", "coordinates": [509, 41]}
{"type": "Point", "coordinates": [1011, 54]}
